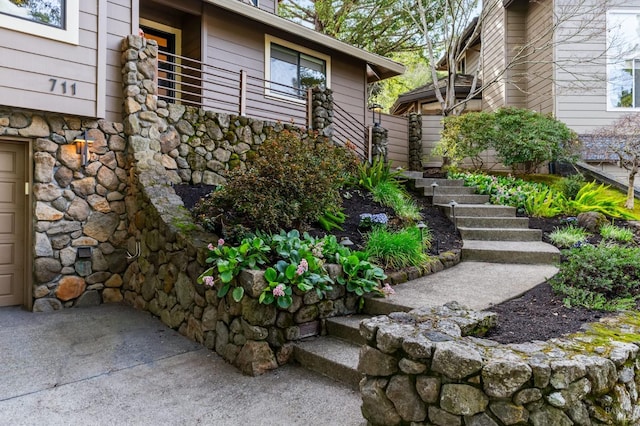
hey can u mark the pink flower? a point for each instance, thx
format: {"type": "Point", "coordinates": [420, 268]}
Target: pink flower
{"type": "Point", "coordinates": [208, 281]}
{"type": "Point", "coordinates": [279, 290]}
{"type": "Point", "coordinates": [302, 267]}
{"type": "Point", "coordinates": [387, 290]}
{"type": "Point", "coordinates": [210, 246]}
{"type": "Point", "coordinates": [220, 242]}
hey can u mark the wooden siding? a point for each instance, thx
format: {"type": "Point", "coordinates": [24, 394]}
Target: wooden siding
{"type": "Point", "coordinates": [28, 62]}
{"type": "Point", "coordinates": [431, 128]}
{"type": "Point", "coordinates": [398, 139]}
{"type": "Point", "coordinates": [493, 59]}
{"type": "Point", "coordinates": [580, 99]}
{"type": "Point", "coordinates": [515, 38]}
{"type": "Point", "coordinates": [234, 50]}
{"type": "Point", "coordinates": [540, 62]}
{"type": "Point", "coordinates": [267, 5]}
{"type": "Point", "coordinates": [119, 25]}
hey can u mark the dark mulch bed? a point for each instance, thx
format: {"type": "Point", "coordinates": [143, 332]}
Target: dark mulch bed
{"type": "Point", "coordinates": [537, 315]}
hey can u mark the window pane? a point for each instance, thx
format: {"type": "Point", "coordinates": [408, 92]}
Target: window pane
{"type": "Point", "coordinates": [636, 81]}
{"type": "Point", "coordinates": [284, 70]}
{"type": "Point", "coordinates": [623, 40]}
{"type": "Point", "coordinates": [49, 12]}
{"type": "Point", "coordinates": [312, 72]}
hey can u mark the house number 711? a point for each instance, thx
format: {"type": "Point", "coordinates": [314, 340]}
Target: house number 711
{"type": "Point", "coordinates": [63, 86]}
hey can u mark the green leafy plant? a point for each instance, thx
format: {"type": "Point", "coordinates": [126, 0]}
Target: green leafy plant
{"type": "Point", "coordinates": [466, 136]}
{"type": "Point", "coordinates": [570, 186]}
{"type": "Point", "coordinates": [331, 220]}
{"type": "Point", "coordinates": [568, 236]}
{"type": "Point", "coordinates": [543, 204]}
{"type": "Point", "coordinates": [359, 275]}
{"type": "Point", "coordinates": [229, 261]}
{"type": "Point", "coordinates": [371, 175]}
{"type": "Point", "coordinates": [398, 249]}
{"type": "Point", "coordinates": [521, 138]}
{"type": "Point", "coordinates": [391, 194]}
{"type": "Point", "coordinates": [528, 139]}
{"type": "Point", "coordinates": [594, 197]}
{"type": "Point", "coordinates": [599, 277]}
{"type": "Point", "coordinates": [290, 184]}
{"type": "Point", "coordinates": [615, 233]}
{"type": "Point", "coordinates": [386, 188]}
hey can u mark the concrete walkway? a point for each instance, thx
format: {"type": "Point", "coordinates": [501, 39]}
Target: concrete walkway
{"type": "Point", "coordinates": [114, 365]}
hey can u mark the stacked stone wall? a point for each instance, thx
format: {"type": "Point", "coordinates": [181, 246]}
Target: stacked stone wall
{"type": "Point", "coordinates": [415, 141]}
{"type": "Point", "coordinates": [425, 367]}
{"type": "Point", "coordinates": [74, 206]}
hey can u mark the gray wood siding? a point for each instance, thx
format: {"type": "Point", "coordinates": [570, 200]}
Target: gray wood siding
{"type": "Point", "coordinates": [233, 50]}
{"type": "Point", "coordinates": [540, 62]}
{"type": "Point", "coordinates": [516, 76]}
{"type": "Point", "coordinates": [119, 25]}
{"type": "Point", "coordinates": [431, 128]}
{"type": "Point", "coordinates": [493, 60]}
{"type": "Point", "coordinates": [398, 139]}
{"type": "Point", "coordinates": [580, 73]}
{"type": "Point", "coordinates": [28, 62]}
{"type": "Point", "coordinates": [267, 5]}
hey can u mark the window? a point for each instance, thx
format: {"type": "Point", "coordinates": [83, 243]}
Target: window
{"type": "Point", "coordinates": [462, 65]}
{"type": "Point", "coordinates": [623, 64]}
{"type": "Point", "coordinates": [292, 69]}
{"type": "Point", "coordinates": [55, 19]}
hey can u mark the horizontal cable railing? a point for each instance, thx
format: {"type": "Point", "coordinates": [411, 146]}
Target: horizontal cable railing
{"type": "Point", "coordinates": [191, 82]}
{"type": "Point", "coordinates": [348, 130]}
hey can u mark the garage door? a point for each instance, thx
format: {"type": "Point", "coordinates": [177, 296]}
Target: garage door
{"type": "Point", "coordinates": [12, 222]}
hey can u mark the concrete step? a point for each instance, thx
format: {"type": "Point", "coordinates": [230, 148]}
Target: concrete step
{"type": "Point", "coordinates": [492, 222]}
{"type": "Point", "coordinates": [532, 252]}
{"type": "Point", "coordinates": [500, 234]}
{"type": "Point", "coordinates": [409, 174]}
{"type": "Point", "coordinates": [427, 182]}
{"type": "Point", "coordinates": [346, 328]}
{"type": "Point", "coordinates": [461, 199]}
{"type": "Point", "coordinates": [478, 210]}
{"type": "Point", "coordinates": [330, 356]}
{"type": "Point", "coordinates": [450, 190]}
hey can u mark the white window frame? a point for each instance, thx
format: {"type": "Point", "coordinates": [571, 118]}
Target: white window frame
{"type": "Point", "coordinates": [69, 34]}
{"type": "Point", "coordinates": [268, 40]}
{"type": "Point", "coordinates": [635, 12]}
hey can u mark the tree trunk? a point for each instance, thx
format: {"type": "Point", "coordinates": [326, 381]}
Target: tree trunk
{"type": "Point", "coordinates": [630, 191]}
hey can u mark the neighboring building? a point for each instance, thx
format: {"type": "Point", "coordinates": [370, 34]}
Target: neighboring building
{"type": "Point", "coordinates": [65, 225]}
{"type": "Point", "coordinates": [585, 71]}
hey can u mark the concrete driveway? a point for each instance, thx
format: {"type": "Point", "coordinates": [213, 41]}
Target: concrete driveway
{"type": "Point", "coordinates": [112, 365]}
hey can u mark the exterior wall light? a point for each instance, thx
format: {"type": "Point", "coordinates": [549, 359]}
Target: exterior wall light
{"type": "Point", "coordinates": [82, 147]}
{"type": "Point", "coordinates": [376, 108]}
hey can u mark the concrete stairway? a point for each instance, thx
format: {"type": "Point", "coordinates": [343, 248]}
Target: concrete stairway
{"type": "Point", "coordinates": [490, 233]}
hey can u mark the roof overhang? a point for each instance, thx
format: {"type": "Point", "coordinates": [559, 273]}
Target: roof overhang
{"type": "Point", "coordinates": [382, 67]}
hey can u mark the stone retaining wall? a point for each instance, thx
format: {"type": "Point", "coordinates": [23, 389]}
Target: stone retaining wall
{"type": "Point", "coordinates": [424, 367]}
{"type": "Point", "coordinates": [74, 206]}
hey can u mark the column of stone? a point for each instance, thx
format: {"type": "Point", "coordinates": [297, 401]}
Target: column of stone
{"type": "Point", "coordinates": [380, 142]}
{"type": "Point", "coordinates": [415, 141]}
{"type": "Point", "coordinates": [322, 111]}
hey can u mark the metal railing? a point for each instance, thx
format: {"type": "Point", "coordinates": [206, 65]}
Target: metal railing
{"type": "Point", "coordinates": [188, 81]}
{"type": "Point", "coordinates": [348, 130]}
